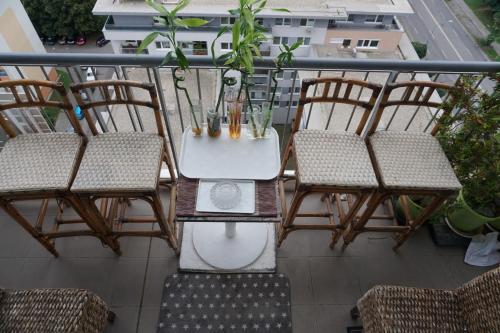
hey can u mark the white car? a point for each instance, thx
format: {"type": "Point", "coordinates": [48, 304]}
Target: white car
{"type": "Point", "coordinates": [90, 75]}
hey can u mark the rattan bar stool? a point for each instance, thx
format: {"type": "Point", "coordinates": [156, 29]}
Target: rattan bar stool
{"type": "Point", "coordinates": [407, 163]}
{"type": "Point", "coordinates": [126, 165]}
{"type": "Point", "coordinates": [328, 162]}
{"type": "Point", "coordinates": [43, 165]}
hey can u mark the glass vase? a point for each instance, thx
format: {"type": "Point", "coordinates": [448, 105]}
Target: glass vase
{"type": "Point", "coordinates": [196, 116]}
{"type": "Point", "coordinates": [266, 120]}
{"type": "Point", "coordinates": [234, 109]}
{"type": "Point", "coordinates": [213, 123]}
{"type": "Point", "coordinates": [254, 121]}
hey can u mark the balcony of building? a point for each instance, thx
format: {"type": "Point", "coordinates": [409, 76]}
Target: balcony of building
{"type": "Point", "coordinates": [325, 282]}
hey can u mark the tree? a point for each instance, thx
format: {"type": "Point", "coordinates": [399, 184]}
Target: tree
{"type": "Point", "coordinates": [63, 17]}
{"type": "Point", "coordinates": [420, 48]}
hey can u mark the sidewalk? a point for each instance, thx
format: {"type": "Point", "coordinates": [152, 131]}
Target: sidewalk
{"type": "Point", "coordinates": [470, 21]}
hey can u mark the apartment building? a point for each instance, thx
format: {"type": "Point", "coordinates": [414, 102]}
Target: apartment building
{"type": "Point", "coordinates": [349, 26]}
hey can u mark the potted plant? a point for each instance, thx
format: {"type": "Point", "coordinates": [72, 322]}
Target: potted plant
{"type": "Point", "coordinates": [247, 35]}
{"type": "Point", "coordinates": [470, 138]}
{"type": "Point", "coordinates": [171, 22]}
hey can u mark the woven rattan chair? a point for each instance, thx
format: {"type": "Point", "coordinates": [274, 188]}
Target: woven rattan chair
{"type": "Point", "coordinates": [474, 307]}
{"type": "Point", "coordinates": [42, 165]}
{"type": "Point", "coordinates": [407, 163]}
{"type": "Point", "coordinates": [328, 162]}
{"type": "Point", "coordinates": [125, 165]}
{"type": "Point", "coordinates": [52, 311]}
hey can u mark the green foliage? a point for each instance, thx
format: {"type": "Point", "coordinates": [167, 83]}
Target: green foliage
{"type": "Point", "coordinates": [471, 141]}
{"type": "Point", "coordinates": [420, 48]}
{"type": "Point", "coordinates": [63, 17]}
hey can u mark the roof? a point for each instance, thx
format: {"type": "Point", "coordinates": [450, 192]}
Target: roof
{"type": "Point", "coordinates": [298, 8]}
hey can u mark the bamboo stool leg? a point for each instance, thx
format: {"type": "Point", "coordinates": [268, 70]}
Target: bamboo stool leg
{"type": "Point", "coordinates": [42, 239]}
{"type": "Point", "coordinates": [284, 230]}
{"type": "Point", "coordinates": [347, 219]}
{"type": "Point", "coordinates": [162, 221]}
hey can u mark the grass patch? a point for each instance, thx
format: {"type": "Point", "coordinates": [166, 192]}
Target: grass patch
{"type": "Point", "coordinates": [491, 53]}
{"type": "Point", "coordinates": [482, 11]}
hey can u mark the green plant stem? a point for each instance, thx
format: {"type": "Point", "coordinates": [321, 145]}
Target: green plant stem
{"type": "Point", "coordinates": [221, 92]}
{"type": "Point", "coordinates": [271, 106]}
{"type": "Point", "coordinates": [176, 83]}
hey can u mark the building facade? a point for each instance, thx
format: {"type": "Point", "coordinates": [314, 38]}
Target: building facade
{"type": "Point", "coordinates": [348, 26]}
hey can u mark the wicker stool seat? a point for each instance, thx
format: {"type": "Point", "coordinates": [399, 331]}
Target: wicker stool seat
{"type": "Point", "coordinates": [52, 310]}
{"type": "Point", "coordinates": [333, 158]}
{"type": "Point", "coordinates": [38, 162]}
{"type": "Point", "coordinates": [120, 161]}
{"type": "Point", "coordinates": [409, 160]}
{"type": "Point", "coordinates": [474, 307]}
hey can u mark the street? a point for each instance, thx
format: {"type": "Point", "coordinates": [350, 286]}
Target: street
{"type": "Point", "coordinates": [434, 24]}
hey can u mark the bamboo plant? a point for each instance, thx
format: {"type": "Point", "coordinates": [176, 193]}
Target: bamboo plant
{"type": "Point", "coordinates": [247, 35]}
{"type": "Point", "coordinates": [171, 22]}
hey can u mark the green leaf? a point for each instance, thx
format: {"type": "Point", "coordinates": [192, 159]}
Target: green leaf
{"type": "Point", "coordinates": [248, 17]}
{"type": "Point", "coordinates": [159, 8]}
{"type": "Point", "coordinates": [295, 45]}
{"type": "Point", "coordinates": [280, 10]}
{"type": "Point", "coordinates": [160, 20]}
{"type": "Point", "coordinates": [181, 59]}
{"type": "Point", "coordinates": [221, 32]}
{"type": "Point", "coordinates": [236, 33]}
{"type": "Point", "coordinates": [193, 22]}
{"type": "Point", "coordinates": [148, 40]}
{"type": "Point", "coordinates": [180, 23]}
{"type": "Point", "coordinates": [167, 58]}
{"type": "Point", "coordinates": [182, 4]}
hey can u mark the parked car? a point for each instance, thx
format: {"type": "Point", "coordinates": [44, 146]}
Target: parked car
{"type": "Point", "coordinates": [71, 40]}
{"type": "Point", "coordinates": [101, 41]}
{"type": "Point", "coordinates": [50, 41]}
{"type": "Point", "coordinates": [61, 40]}
{"type": "Point", "coordinates": [80, 40]}
{"type": "Point", "coordinates": [90, 75]}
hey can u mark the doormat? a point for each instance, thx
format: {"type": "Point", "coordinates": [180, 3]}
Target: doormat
{"type": "Point", "coordinates": [225, 303]}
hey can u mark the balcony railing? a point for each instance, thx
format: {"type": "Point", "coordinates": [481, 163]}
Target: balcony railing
{"type": "Point", "coordinates": [202, 82]}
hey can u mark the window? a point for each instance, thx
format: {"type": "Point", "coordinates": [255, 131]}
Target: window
{"type": "Point", "coordinates": [350, 18]}
{"type": "Point", "coordinates": [346, 43]}
{"type": "Point", "coordinates": [368, 43]}
{"type": "Point", "coordinates": [280, 40]}
{"type": "Point", "coordinates": [163, 45]}
{"type": "Point", "coordinates": [374, 18]}
{"type": "Point", "coordinates": [295, 103]}
{"type": "Point", "coordinates": [276, 103]}
{"type": "Point", "coordinates": [227, 20]}
{"type": "Point", "coordinates": [282, 21]}
{"type": "Point", "coordinates": [279, 75]}
{"type": "Point", "coordinates": [286, 90]}
{"type": "Point", "coordinates": [259, 20]}
{"type": "Point", "coordinates": [307, 41]}
{"type": "Point", "coordinates": [379, 19]}
{"type": "Point", "coordinates": [306, 22]}
{"type": "Point", "coordinates": [226, 46]}
{"type": "Point", "coordinates": [297, 90]}
{"type": "Point", "coordinates": [252, 94]}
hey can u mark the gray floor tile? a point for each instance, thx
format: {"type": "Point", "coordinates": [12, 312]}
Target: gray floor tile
{"type": "Point", "coordinates": [303, 318]}
{"type": "Point", "coordinates": [149, 319]}
{"type": "Point", "coordinates": [127, 280]}
{"type": "Point", "coordinates": [10, 271]}
{"type": "Point", "coordinates": [125, 321]}
{"type": "Point", "coordinates": [297, 270]}
{"type": "Point", "coordinates": [158, 270]}
{"type": "Point", "coordinates": [335, 280]}
{"type": "Point", "coordinates": [15, 242]}
{"type": "Point", "coordinates": [334, 318]}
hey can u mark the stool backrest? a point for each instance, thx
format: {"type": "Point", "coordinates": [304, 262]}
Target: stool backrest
{"type": "Point", "coordinates": [414, 93]}
{"type": "Point", "coordinates": [122, 95]}
{"type": "Point", "coordinates": [338, 90]}
{"type": "Point", "coordinates": [34, 93]}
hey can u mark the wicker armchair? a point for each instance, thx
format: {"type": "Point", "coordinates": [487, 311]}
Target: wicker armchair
{"type": "Point", "coordinates": [474, 307]}
{"type": "Point", "coordinates": [52, 311]}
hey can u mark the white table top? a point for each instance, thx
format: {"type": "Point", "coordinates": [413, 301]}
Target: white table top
{"type": "Point", "coordinates": [226, 158]}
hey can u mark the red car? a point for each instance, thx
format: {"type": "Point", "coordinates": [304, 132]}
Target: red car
{"type": "Point", "coordinates": [80, 40]}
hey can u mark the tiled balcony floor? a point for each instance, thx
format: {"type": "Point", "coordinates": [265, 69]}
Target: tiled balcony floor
{"type": "Point", "coordinates": [325, 283]}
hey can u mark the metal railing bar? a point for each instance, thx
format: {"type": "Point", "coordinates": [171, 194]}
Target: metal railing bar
{"type": "Point", "coordinates": [136, 109]}
{"type": "Point", "coordinates": [97, 114]}
{"type": "Point", "coordinates": [179, 110]}
{"type": "Point", "coordinates": [295, 73]}
{"type": "Point", "coordinates": [198, 83]}
{"type": "Point", "coordinates": [16, 58]}
{"type": "Point", "coordinates": [311, 106]}
{"type": "Point", "coordinates": [397, 107]}
{"type": "Point", "coordinates": [355, 106]}
{"type": "Point", "coordinates": [333, 107]}
{"type": "Point", "coordinates": [434, 79]}
{"type": "Point", "coordinates": [42, 111]}
{"type": "Point", "coordinates": [124, 93]}
{"type": "Point", "coordinates": [44, 71]}
{"type": "Point", "coordinates": [159, 88]}
{"type": "Point", "coordinates": [101, 89]}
